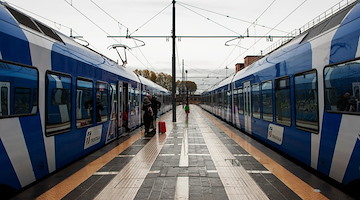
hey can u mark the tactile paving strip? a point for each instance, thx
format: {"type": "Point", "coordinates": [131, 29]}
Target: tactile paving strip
{"type": "Point", "coordinates": [237, 182]}
{"type": "Point", "coordinates": [126, 184]}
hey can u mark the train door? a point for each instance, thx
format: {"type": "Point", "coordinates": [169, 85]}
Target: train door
{"type": "Point", "coordinates": [247, 106]}
{"type": "Point", "coordinates": [4, 98]}
{"type": "Point", "coordinates": [234, 105]}
{"type": "Point", "coordinates": [120, 107]}
{"type": "Point", "coordinates": [125, 104]}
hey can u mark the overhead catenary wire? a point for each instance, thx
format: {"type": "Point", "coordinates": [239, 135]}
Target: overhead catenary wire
{"type": "Point", "coordinates": [230, 17]}
{"type": "Point", "coordinates": [207, 18]}
{"type": "Point", "coordinates": [70, 3]}
{"type": "Point", "coordinates": [274, 27]}
{"type": "Point", "coordinates": [42, 17]}
{"type": "Point", "coordinates": [251, 23]}
{"type": "Point", "coordinates": [246, 30]}
{"type": "Point", "coordinates": [150, 19]}
{"type": "Point", "coordinates": [97, 5]}
{"type": "Point", "coordinates": [107, 32]}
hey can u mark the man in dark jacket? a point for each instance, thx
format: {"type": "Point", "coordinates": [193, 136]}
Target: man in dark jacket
{"type": "Point", "coordinates": [148, 115]}
{"type": "Point", "coordinates": [155, 105]}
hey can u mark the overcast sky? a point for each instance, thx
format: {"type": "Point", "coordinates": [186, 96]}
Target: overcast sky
{"type": "Point", "coordinates": [206, 59]}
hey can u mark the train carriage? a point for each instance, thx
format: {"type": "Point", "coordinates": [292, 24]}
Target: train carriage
{"type": "Point", "coordinates": [59, 100]}
{"type": "Point", "coordinates": [303, 98]}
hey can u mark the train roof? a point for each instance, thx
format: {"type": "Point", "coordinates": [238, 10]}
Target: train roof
{"type": "Point", "coordinates": [62, 43]}
{"type": "Point", "coordinates": [275, 56]}
{"type": "Point", "coordinates": [149, 83]}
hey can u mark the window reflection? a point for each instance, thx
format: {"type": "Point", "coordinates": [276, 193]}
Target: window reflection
{"type": "Point", "coordinates": [18, 90]}
{"type": "Point", "coordinates": [58, 102]}
{"type": "Point", "coordinates": [282, 98]}
{"type": "Point", "coordinates": [342, 83]}
{"type": "Point", "coordinates": [306, 101]}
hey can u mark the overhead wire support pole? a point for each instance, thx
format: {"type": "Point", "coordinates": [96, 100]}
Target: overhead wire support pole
{"type": "Point", "coordinates": [173, 66]}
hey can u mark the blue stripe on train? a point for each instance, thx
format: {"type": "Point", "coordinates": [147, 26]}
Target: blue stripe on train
{"type": "Point", "coordinates": [354, 164]}
{"type": "Point", "coordinates": [345, 47]}
{"type": "Point", "coordinates": [20, 48]}
{"type": "Point", "coordinates": [330, 130]}
{"type": "Point", "coordinates": [7, 172]}
{"type": "Point", "coordinates": [31, 128]}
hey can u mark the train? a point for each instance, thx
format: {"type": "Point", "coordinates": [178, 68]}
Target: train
{"type": "Point", "coordinates": [302, 98]}
{"type": "Point", "coordinates": [59, 100]}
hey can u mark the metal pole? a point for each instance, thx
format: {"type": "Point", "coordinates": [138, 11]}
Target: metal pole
{"type": "Point", "coordinates": [187, 89]}
{"type": "Point", "coordinates": [173, 66]}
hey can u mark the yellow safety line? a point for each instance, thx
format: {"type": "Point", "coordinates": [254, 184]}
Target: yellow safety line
{"type": "Point", "coordinates": [60, 190]}
{"type": "Point", "coordinates": [302, 189]}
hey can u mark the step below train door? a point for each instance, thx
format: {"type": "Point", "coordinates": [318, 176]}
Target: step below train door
{"type": "Point", "coordinates": [247, 106]}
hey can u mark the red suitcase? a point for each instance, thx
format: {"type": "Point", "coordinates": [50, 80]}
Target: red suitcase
{"type": "Point", "coordinates": [162, 127]}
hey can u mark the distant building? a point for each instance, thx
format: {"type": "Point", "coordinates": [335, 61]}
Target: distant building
{"type": "Point", "coordinates": [239, 66]}
{"type": "Point", "coordinates": [248, 60]}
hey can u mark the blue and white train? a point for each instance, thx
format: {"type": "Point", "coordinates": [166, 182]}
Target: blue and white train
{"type": "Point", "coordinates": [59, 100]}
{"type": "Point", "coordinates": [303, 98]}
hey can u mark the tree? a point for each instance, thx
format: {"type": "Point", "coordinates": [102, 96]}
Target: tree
{"type": "Point", "coordinates": [165, 80]}
{"type": "Point", "coordinates": [184, 86]}
{"type": "Point", "coordinates": [191, 86]}
{"type": "Point", "coordinates": [162, 79]}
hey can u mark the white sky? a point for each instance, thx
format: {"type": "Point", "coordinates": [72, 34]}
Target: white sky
{"type": "Point", "coordinates": [202, 57]}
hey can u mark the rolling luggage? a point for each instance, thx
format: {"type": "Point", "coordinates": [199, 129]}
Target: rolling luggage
{"type": "Point", "coordinates": [162, 127]}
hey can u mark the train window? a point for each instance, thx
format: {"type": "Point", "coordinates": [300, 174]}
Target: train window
{"type": "Point", "coordinates": [137, 95]}
{"type": "Point", "coordinates": [342, 87]}
{"type": "Point", "coordinates": [236, 99]}
{"type": "Point", "coordinates": [57, 102]}
{"type": "Point", "coordinates": [241, 101]}
{"type": "Point", "coordinates": [23, 19]}
{"type": "Point", "coordinates": [22, 103]}
{"type": "Point", "coordinates": [282, 99]}
{"type": "Point", "coordinates": [47, 31]}
{"type": "Point", "coordinates": [18, 90]}
{"type": "Point", "coordinates": [306, 101]}
{"type": "Point", "coordinates": [255, 97]}
{"type": "Point", "coordinates": [132, 101]}
{"type": "Point", "coordinates": [226, 100]}
{"type": "Point", "coordinates": [102, 105]}
{"type": "Point", "coordinates": [84, 103]}
{"type": "Point", "coordinates": [220, 100]}
{"type": "Point", "coordinates": [267, 100]}
{"type": "Point", "coordinates": [113, 101]}
{"type": "Point", "coordinates": [4, 100]}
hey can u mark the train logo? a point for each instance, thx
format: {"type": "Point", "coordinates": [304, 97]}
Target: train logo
{"type": "Point", "coordinates": [93, 136]}
{"type": "Point", "coordinates": [275, 133]}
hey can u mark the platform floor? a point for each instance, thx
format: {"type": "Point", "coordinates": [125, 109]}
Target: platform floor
{"type": "Point", "coordinates": [199, 157]}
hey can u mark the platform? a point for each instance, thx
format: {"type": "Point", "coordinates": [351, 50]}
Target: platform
{"type": "Point", "coordinates": [199, 157]}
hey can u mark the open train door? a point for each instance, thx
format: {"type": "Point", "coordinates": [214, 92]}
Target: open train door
{"type": "Point", "coordinates": [247, 106]}
{"type": "Point", "coordinates": [123, 105]}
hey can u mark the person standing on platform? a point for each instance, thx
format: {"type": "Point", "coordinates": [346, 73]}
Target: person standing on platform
{"type": "Point", "coordinates": [187, 109]}
{"type": "Point", "coordinates": [155, 105]}
{"type": "Point", "coordinates": [125, 119]}
{"type": "Point", "coordinates": [148, 114]}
